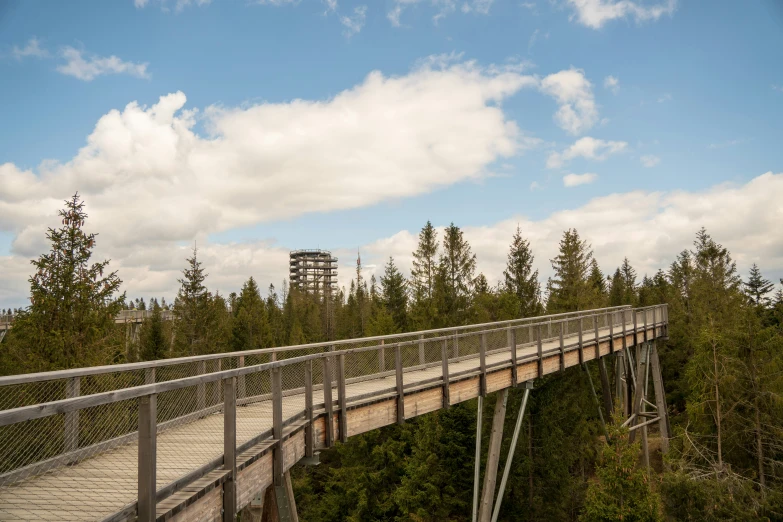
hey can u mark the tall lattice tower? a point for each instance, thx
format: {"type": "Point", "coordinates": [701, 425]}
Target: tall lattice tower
{"type": "Point", "coordinates": [313, 271]}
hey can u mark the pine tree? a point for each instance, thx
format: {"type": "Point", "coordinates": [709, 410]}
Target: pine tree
{"type": "Point", "coordinates": [617, 289]}
{"type": "Point", "coordinates": [153, 343]}
{"type": "Point", "coordinates": [422, 281]}
{"type": "Point", "coordinates": [394, 295]}
{"type": "Point", "coordinates": [630, 296]}
{"type": "Point", "coordinates": [598, 284]}
{"type": "Point", "coordinates": [456, 274]}
{"type": "Point", "coordinates": [569, 289]}
{"type": "Point", "coordinates": [192, 309]}
{"type": "Point", "coordinates": [251, 327]}
{"type": "Point", "coordinates": [621, 491]}
{"type": "Point", "coordinates": [520, 278]}
{"type": "Point", "coordinates": [757, 287]}
{"type": "Point", "coordinates": [73, 302]}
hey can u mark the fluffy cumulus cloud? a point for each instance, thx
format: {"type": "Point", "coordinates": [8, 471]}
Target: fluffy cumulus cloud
{"type": "Point", "coordinates": [574, 180]}
{"type": "Point", "coordinates": [87, 67]}
{"type": "Point", "coordinates": [574, 93]}
{"type": "Point", "coordinates": [150, 179]}
{"type": "Point", "coordinates": [650, 228]}
{"type": "Point", "coordinates": [596, 13]}
{"type": "Point", "coordinates": [588, 148]}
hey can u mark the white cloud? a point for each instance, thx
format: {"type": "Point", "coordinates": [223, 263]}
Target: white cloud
{"type": "Point", "coordinates": [32, 48]}
{"type": "Point", "coordinates": [650, 228]}
{"type": "Point", "coordinates": [331, 6]}
{"type": "Point", "coordinates": [595, 13]}
{"type": "Point", "coordinates": [778, 88]}
{"type": "Point", "coordinates": [92, 66]}
{"type": "Point", "coordinates": [725, 144]}
{"type": "Point", "coordinates": [353, 24]}
{"type": "Point", "coordinates": [444, 8]}
{"type": "Point", "coordinates": [535, 186]}
{"type": "Point", "coordinates": [179, 5]}
{"type": "Point", "coordinates": [578, 112]}
{"type": "Point", "coordinates": [650, 160]}
{"type": "Point", "coordinates": [384, 139]}
{"type": "Point", "coordinates": [664, 98]}
{"type": "Point", "coordinates": [612, 83]}
{"type": "Point", "coordinates": [574, 180]}
{"type": "Point", "coordinates": [587, 147]}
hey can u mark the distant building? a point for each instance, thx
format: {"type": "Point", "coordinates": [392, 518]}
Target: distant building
{"type": "Point", "coordinates": [313, 271]}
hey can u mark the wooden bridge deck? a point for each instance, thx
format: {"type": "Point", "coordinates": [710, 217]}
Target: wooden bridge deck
{"type": "Point", "coordinates": [111, 477]}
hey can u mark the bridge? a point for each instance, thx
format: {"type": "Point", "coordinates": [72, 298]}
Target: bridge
{"type": "Point", "coordinates": [199, 438]}
{"type": "Point", "coordinates": [133, 319]}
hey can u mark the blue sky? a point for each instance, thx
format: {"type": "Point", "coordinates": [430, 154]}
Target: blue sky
{"type": "Point", "coordinates": [696, 102]}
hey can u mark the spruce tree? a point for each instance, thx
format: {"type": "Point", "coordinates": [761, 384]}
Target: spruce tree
{"type": "Point", "coordinates": [630, 296]}
{"type": "Point", "coordinates": [423, 275]}
{"type": "Point", "coordinates": [192, 309]}
{"type": "Point", "coordinates": [251, 327]}
{"type": "Point", "coordinates": [394, 295]}
{"type": "Point", "coordinates": [569, 289]}
{"type": "Point", "coordinates": [153, 344]}
{"type": "Point", "coordinates": [520, 278]}
{"type": "Point", "coordinates": [73, 302]}
{"type": "Point", "coordinates": [598, 284]}
{"type": "Point", "coordinates": [456, 274]}
{"type": "Point", "coordinates": [617, 289]}
{"type": "Point", "coordinates": [622, 490]}
{"type": "Point", "coordinates": [757, 287]}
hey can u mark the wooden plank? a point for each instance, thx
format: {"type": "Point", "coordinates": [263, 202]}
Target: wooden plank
{"type": "Point", "coordinates": [399, 383]}
{"type": "Point", "coordinates": [71, 428]}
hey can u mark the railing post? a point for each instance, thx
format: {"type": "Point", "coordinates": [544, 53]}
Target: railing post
{"type": "Point", "coordinates": [309, 408]}
{"type": "Point", "coordinates": [562, 348]}
{"type": "Point", "coordinates": [381, 357]}
{"type": "Point", "coordinates": [597, 343]}
{"type": "Point", "coordinates": [201, 397]}
{"type": "Point", "coordinates": [230, 448]}
{"type": "Point", "coordinates": [610, 320]}
{"type": "Point", "coordinates": [216, 386]}
{"type": "Point", "coordinates": [277, 425]}
{"type": "Point", "coordinates": [456, 344]}
{"type": "Point", "coordinates": [512, 341]}
{"type": "Point", "coordinates": [645, 325]}
{"type": "Point", "coordinates": [581, 346]}
{"type": "Point", "coordinates": [147, 458]}
{"type": "Point", "coordinates": [625, 341]}
{"type": "Point", "coordinates": [635, 329]}
{"type": "Point", "coordinates": [540, 353]}
{"type": "Point", "coordinates": [483, 365]}
{"type": "Point", "coordinates": [342, 415]}
{"type": "Point", "coordinates": [328, 406]}
{"type": "Point", "coordinates": [444, 357]}
{"type": "Point", "coordinates": [422, 358]}
{"type": "Point", "coordinates": [241, 389]}
{"type": "Point", "coordinates": [71, 431]}
{"type": "Point", "coordinates": [400, 389]}
{"type": "Point", "coordinates": [149, 375]}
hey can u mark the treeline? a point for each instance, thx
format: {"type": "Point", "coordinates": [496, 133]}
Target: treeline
{"type": "Point", "coordinates": [722, 365]}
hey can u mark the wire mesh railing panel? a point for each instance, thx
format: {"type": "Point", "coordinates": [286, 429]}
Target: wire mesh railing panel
{"type": "Point", "coordinates": [25, 394]}
{"type": "Point", "coordinates": [194, 436]}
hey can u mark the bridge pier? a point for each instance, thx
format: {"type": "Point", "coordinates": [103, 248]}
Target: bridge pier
{"type": "Point", "coordinates": [493, 456]}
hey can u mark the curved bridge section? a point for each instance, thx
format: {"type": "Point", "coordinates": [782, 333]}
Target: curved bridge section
{"type": "Point", "coordinates": [198, 438]}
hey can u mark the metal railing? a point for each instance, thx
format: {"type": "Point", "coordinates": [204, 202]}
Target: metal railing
{"type": "Point", "coordinates": [144, 417]}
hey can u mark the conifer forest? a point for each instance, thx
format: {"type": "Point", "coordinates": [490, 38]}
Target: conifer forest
{"type": "Point", "coordinates": [722, 368]}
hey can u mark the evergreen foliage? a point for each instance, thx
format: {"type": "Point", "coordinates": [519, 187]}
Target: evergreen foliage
{"type": "Point", "coordinates": [521, 279]}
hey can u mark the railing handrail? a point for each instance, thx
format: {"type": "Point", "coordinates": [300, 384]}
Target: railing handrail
{"type": "Point", "coordinates": [114, 368]}
{"type": "Point", "coordinates": [37, 411]}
